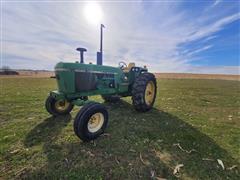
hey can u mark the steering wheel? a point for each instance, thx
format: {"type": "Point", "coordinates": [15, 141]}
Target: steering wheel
{"type": "Point", "coordinates": [122, 64]}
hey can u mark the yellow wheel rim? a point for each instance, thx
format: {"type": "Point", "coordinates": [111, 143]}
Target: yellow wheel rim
{"type": "Point", "coordinates": [61, 105]}
{"type": "Point", "coordinates": [95, 122]}
{"type": "Point", "coordinates": [150, 93]}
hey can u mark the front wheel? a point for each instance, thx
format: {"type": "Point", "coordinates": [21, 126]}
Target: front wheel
{"type": "Point", "coordinates": [91, 121]}
{"type": "Point", "coordinates": [58, 107]}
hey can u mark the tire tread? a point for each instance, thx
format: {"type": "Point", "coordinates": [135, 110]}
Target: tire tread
{"type": "Point", "coordinates": [138, 91]}
{"type": "Point", "coordinates": [81, 120]}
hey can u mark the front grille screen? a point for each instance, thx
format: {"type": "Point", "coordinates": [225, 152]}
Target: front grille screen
{"type": "Point", "coordinates": [87, 81]}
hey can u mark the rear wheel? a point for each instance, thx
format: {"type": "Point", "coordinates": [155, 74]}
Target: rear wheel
{"type": "Point", "coordinates": [144, 92]}
{"type": "Point", "coordinates": [58, 107]}
{"type": "Point", "coordinates": [91, 121]}
{"type": "Point", "coordinates": [111, 98]}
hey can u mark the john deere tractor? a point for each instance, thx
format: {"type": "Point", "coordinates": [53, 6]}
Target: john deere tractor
{"type": "Point", "coordinates": [76, 81]}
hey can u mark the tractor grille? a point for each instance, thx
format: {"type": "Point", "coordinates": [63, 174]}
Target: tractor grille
{"type": "Point", "coordinates": [87, 81]}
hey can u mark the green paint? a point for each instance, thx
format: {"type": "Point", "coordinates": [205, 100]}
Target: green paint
{"type": "Point", "coordinates": [66, 80]}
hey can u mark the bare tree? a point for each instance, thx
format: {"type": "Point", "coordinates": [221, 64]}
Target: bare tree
{"type": "Point", "coordinates": [6, 68]}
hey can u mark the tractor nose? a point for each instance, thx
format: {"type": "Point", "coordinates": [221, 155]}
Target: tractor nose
{"type": "Point", "coordinates": [81, 50]}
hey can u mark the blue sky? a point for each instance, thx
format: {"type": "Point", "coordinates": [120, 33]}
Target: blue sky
{"type": "Point", "coordinates": [167, 36]}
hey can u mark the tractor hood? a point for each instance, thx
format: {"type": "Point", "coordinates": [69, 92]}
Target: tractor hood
{"type": "Point", "coordinates": [78, 67]}
{"type": "Point", "coordinates": [79, 78]}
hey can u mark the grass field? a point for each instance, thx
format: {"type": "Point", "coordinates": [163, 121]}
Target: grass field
{"type": "Point", "coordinates": [194, 123]}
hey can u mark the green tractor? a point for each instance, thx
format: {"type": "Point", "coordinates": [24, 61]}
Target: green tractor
{"type": "Point", "coordinates": [76, 81]}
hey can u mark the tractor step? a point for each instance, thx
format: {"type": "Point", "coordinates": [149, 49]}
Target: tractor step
{"type": "Point", "coordinates": [80, 102]}
{"type": "Point", "coordinates": [57, 95]}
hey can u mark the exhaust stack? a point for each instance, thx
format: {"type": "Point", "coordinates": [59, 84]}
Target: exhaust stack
{"type": "Point", "coordinates": [100, 53]}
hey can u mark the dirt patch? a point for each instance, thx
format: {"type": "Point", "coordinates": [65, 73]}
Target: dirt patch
{"type": "Point", "coordinates": [197, 76]}
{"type": "Point", "coordinates": [30, 74]}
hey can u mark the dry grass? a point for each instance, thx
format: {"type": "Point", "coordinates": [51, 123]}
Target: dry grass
{"type": "Point", "coordinates": [197, 76]}
{"type": "Point", "coordinates": [196, 114]}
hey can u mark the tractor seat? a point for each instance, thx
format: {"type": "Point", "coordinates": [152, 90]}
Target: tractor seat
{"type": "Point", "coordinates": [127, 69]}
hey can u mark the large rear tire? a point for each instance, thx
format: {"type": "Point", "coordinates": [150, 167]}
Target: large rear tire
{"type": "Point", "coordinates": [58, 107]}
{"type": "Point", "coordinates": [144, 92]}
{"type": "Point", "coordinates": [91, 121]}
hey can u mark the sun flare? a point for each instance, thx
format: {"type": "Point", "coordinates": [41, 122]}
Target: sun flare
{"type": "Point", "coordinates": [93, 13]}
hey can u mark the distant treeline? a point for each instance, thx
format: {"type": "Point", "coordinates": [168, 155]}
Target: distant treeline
{"type": "Point", "coordinates": [5, 70]}
{"type": "Point", "coordinates": [9, 72]}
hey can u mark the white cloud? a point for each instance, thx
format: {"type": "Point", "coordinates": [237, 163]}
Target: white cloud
{"type": "Point", "coordinates": [216, 2]}
{"type": "Point", "coordinates": [149, 34]}
{"type": "Point", "coordinates": [208, 30]}
{"type": "Point", "coordinates": [199, 50]}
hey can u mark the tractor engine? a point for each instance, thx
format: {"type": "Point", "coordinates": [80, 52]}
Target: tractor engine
{"type": "Point", "coordinates": [80, 78]}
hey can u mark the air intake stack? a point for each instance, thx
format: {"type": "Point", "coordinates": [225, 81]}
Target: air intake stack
{"type": "Point", "coordinates": [81, 50]}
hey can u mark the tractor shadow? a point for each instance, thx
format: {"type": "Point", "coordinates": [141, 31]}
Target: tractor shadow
{"type": "Point", "coordinates": [135, 144]}
{"type": "Point", "coordinates": [46, 131]}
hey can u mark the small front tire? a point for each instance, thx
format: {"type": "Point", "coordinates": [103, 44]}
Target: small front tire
{"type": "Point", "coordinates": [58, 107]}
{"type": "Point", "coordinates": [91, 121]}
